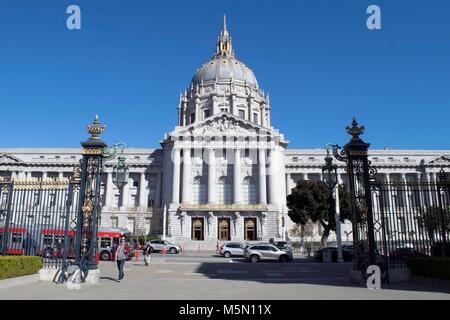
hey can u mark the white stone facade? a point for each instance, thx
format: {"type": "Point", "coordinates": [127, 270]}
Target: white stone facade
{"type": "Point", "coordinates": [223, 173]}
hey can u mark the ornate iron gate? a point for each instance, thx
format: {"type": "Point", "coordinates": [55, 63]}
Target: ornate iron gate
{"type": "Point", "coordinates": [38, 219]}
{"type": "Point", "coordinates": [411, 219]}
{"type": "Point", "coordinates": [56, 219]}
{"type": "Point", "coordinates": [392, 221]}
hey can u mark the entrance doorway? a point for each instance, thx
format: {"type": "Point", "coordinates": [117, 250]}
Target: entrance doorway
{"type": "Point", "coordinates": [250, 229]}
{"type": "Point", "coordinates": [224, 229]}
{"type": "Point", "coordinates": [198, 229]}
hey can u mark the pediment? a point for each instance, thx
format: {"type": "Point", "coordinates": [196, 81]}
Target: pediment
{"type": "Point", "coordinates": [9, 159]}
{"type": "Point", "coordinates": [442, 160]}
{"type": "Point", "coordinates": [224, 124]}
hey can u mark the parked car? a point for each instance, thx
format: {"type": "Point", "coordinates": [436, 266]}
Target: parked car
{"type": "Point", "coordinates": [266, 251]}
{"type": "Point", "coordinates": [280, 244]}
{"type": "Point", "coordinates": [405, 252]}
{"type": "Point", "coordinates": [347, 253]}
{"type": "Point", "coordinates": [232, 249]}
{"type": "Point", "coordinates": [158, 245]}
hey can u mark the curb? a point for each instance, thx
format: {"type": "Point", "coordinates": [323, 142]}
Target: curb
{"type": "Point", "coordinates": [18, 281]}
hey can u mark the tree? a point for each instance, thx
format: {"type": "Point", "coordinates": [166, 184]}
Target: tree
{"type": "Point", "coordinates": [313, 201]}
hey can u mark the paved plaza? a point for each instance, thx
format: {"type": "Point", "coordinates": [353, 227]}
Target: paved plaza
{"type": "Point", "coordinates": [195, 276]}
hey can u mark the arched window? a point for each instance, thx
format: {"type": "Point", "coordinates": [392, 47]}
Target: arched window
{"type": "Point", "coordinates": [224, 191]}
{"type": "Point", "coordinates": [249, 191]}
{"type": "Point", "coordinates": [199, 191]}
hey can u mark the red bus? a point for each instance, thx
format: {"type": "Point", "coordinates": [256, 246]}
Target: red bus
{"type": "Point", "coordinates": [49, 242]}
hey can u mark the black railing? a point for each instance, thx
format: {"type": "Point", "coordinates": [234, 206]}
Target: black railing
{"type": "Point", "coordinates": [412, 219]}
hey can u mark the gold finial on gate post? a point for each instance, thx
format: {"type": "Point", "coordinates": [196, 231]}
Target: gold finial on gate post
{"type": "Point", "coordinates": [95, 130]}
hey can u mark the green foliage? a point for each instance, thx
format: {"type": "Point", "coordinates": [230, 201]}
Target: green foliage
{"type": "Point", "coordinates": [432, 267]}
{"type": "Point", "coordinates": [16, 266]}
{"type": "Point", "coordinates": [313, 201]}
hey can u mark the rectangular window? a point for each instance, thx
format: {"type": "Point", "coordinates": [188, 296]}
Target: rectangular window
{"type": "Point", "coordinates": [242, 114]}
{"type": "Point", "coordinates": [206, 114]}
{"type": "Point", "coordinates": [192, 117]}
{"type": "Point", "coordinates": [105, 242]}
{"type": "Point", "coordinates": [114, 222]}
{"type": "Point", "coordinates": [255, 118]}
{"type": "Point", "coordinates": [198, 229]}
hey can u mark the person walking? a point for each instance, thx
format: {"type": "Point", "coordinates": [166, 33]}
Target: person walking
{"type": "Point", "coordinates": [121, 255]}
{"type": "Point", "coordinates": [147, 252]}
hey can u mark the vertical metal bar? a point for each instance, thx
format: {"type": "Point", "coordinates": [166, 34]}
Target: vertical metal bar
{"type": "Point", "coordinates": [383, 230]}
{"type": "Point", "coordinates": [8, 217]}
{"type": "Point", "coordinates": [442, 218]}
{"type": "Point", "coordinates": [66, 231]}
{"type": "Point", "coordinates": [21, 217]}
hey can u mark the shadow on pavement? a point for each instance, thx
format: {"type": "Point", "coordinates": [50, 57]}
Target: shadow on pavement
{"type": "Point", "coordinates": [108, 278]}
{"type": "Point", "coordinates": [330, 274]}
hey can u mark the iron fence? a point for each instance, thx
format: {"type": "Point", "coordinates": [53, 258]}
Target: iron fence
{"type": "Point", "coordinates": [411, 219]}
{"type": "Point", "coordinates": [38, 218]}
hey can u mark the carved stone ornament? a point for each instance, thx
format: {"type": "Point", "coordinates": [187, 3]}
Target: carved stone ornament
{"type": "Point", "coordinates": [222, 126]}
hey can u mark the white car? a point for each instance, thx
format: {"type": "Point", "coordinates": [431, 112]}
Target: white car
{"type": "Point", "coordinates": [158, 245]}
{"type": "Point", "coordinates": [232, 249]}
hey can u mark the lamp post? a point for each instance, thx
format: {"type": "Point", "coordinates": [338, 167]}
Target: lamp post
{"type": "Point", "coordinates": [330, 177]}
{"type": "Point", "coordinates": [120, 173]}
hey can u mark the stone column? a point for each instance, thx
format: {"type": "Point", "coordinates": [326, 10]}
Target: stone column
{"type": "Point", "coordinates": [273, 179]}
{"type": "Point", "coordinates": [233, 109]}
{"type": "Point", "coordinates": [263, 114]}
{"type": "Point", "coordinates": [305, 177]}
{"type": "Point", "coordinates": [249, 109]}
{"type": "Point", "coordinates": [262, 177]}
{"type": "Point", "coordinates": [197, 110]}
{"type": "Point", "coordinates": [158, 190]}
{"type": "Point", "coordinates": [125, 195]}
{"type": "Point", "coordinates": [176, 176]}
{"type": "Point", "coordinates": [109, 190]}
{"type": "Point", "coordinates": [185, 189]}
{"type": "Point", "coordinates": [237, 177]}
{"type": "Point", "coordinates": [60, 175]}
{"type": "Point", "coordinates": [211, 176]}
{"type": "Point", "coordinates": [44, 175]}
{"type": "Point", "coordinates": [142, 192]}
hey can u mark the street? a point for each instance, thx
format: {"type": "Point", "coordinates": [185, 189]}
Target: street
{"type": "Point", "coordinates": [206, 276]}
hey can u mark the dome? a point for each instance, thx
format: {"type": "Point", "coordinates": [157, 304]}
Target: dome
{"type": "Point", "coordinates": [225, 68]}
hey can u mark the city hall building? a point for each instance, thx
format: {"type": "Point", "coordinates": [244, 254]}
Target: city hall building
{"type": "Point", "coordinates": [223, 173]}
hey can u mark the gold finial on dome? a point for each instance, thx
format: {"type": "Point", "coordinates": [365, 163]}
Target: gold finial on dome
{"type": "Point", "coordinates": [224, 44]}
{"type": "Point", "coordinates": [95, 130]}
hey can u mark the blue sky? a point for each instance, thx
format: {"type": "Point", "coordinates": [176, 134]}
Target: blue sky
{"type": "Point", "coordinates": [317, 59]}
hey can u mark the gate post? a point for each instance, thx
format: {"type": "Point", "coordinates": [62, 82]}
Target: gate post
{"type": "Point", "coordinates": [443, 186]}
{"type": "Point", "coordinates": [89, 204]}
{"type": "Point", "coordinates": [355, 154]}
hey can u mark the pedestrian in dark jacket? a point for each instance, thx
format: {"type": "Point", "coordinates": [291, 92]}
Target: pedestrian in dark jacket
{"type": "Point", "coordinates": [147, 252]}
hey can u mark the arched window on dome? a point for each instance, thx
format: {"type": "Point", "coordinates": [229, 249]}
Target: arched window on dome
{"type": "Point", "coordinates": [224, 190]}
{"type": "Point", "coordinates": [199, 195]}
{"type": "Point", "coordinates": [249, 195]}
